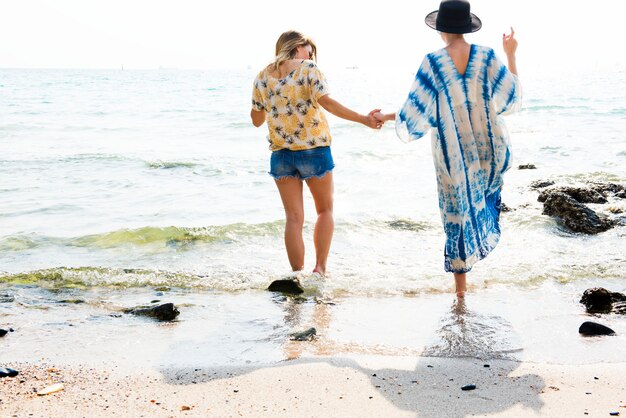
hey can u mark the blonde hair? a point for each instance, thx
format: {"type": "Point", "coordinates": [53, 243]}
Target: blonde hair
{"type": "Point", "coordinates": [287, 45]}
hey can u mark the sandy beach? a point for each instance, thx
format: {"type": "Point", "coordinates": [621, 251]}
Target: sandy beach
{"type": "Point", "coordinates": [324, 386]}
{"type": "Point", "coordinates": [234, 355]}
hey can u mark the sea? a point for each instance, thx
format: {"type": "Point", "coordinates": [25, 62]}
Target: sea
{"type": "Point", "coordinates": [126, 187]}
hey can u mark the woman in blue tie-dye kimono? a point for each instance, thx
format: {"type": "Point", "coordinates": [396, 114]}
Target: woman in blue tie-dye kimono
{"type": "Point", "coordinates": [460, 93]}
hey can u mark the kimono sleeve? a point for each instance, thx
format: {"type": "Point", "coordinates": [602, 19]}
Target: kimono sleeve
{"type": "Point", "coordinates": [506, 89]}
{"type": "Point", "coordinates": [317, 82]}
{"type": "Point", "coordinates": [418, 114]}
{"type": "Point", "coordinates": [258, 101]}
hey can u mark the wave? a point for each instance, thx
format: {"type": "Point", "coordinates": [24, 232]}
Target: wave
{"type": "Point", "coordinates": [170, 236]}
{"type": "Point", "coordinates": [85, 277]}
{"type": "Point", "coordinates": [170, 164]}
{"type": "Point", "coordinates": [175, 236]}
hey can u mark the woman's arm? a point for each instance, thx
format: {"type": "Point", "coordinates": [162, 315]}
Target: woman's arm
{"type": "Point", "coordinates": [384, 117]}
{"type": "Point", "coordinates": [339, 110]}
{"type": "Point", "coordinates": [258, 117]}
{"type": "Point", "coordinates": [509, 43]}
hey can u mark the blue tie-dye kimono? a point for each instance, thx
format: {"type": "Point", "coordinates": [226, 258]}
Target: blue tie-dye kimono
{"type": "Point", "coordinates": [470, 145]}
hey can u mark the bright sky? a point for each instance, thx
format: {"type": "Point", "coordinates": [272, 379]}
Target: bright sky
{"type": "Point", "coordinates": [237, 34]}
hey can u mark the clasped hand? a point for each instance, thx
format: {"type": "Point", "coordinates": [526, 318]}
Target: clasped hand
{"type": "Point", "coordinates": [375, 119]}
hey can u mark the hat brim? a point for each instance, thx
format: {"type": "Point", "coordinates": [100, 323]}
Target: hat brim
{"type": "Point", "coordinates": [431, 21]}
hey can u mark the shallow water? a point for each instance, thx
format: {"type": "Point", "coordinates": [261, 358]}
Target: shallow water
{"type": "Point", "coordinates": [113, 183]}
{"type": "Point", "coordinates": [217, 328]}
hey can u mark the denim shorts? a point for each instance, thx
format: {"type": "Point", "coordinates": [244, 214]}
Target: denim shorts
{"type": "Point", "coordinates": [303, 164]}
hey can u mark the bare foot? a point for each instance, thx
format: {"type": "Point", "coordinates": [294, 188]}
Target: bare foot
{"type": "Point", "coordinates": [319, 271]}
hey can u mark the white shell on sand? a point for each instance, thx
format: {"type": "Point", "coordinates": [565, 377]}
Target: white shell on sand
{"type": "Point", "coordinates": [51, 389]}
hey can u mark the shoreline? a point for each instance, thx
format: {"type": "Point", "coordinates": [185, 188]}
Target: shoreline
{"type": "Point", "coordinates": [323, 386]}
{"type": "Point", "coordinates": [232, 354]}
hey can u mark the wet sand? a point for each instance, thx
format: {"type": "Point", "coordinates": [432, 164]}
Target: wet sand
{"type": "Point", "coordinates": [232, 354]}
{"type": "Point", "coordinates": [325, 386]}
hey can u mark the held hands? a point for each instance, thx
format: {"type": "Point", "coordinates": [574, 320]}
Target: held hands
{"type": "Point", "coordinates": [509, 43]}
{"type": "Point", "coordinates": [371, 122]}
{"type": "Point", "coordinates": [375, 119]}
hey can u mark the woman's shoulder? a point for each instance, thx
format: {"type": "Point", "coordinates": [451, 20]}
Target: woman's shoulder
{"type": "Point", "coordinates": [482, 49]}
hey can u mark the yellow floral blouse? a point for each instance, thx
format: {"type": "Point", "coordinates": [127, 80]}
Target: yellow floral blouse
{"type": "Point", "coordinates": [294, 118]}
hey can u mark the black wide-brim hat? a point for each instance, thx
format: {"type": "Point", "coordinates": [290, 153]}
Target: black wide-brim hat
{"type": "Point", "coordinates": [453, 16]}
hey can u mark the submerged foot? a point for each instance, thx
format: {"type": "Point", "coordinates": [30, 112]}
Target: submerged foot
{"type": "Point", "coordinates": [320, 272]}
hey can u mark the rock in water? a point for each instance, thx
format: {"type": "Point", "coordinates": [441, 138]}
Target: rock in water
{"type": "Point", "coordinates": [6, 372]}
{"type": "Point", "coordinates": [619, 308]}
{"type": "Point", "coordinates": [540, 184]}
{"type": "Point", "coordinates": [164, 312]}
{"type": "Point", "coordinates": [574, 215]}
{"type": "Point", "coordinates": [597, 300]}
{"type": "Point", "coordinates": [614, 189]}
{"type": "Point", "coordinates": [307, 335]}
{"type": "Point", "coordinates": [579, 194]}
{"type": "Point", "coordinates": [592, 328]}
{"type": "Point", "coordinates": [6, 298]}
{"type": "Point", "coordinates": [291, 286]}
{"type": "Point", "coordinates": [600, 300]}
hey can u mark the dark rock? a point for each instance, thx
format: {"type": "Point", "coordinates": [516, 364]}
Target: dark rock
{"type": "Point", "coordinates": [6, 372]}
{"type": "Point", "coordinates": [486, 365]}
{"type": "Point", "coordinates": [614, 414]}
{"type": "Point", "coordinates": [619, 308]}
{"type": "Point", "coordinates": [306, 335]}
{"type": "Point", "coordinates": [597, 300]}
{"type": "Point", "coordinates": [574, 215]}
{"type": "Point", "coordinates": [291, 286]}
{"type": "Point", "coordinates": [540, 184]}
{"type": "Point", "coordinates": [580, 194]}
{"type": "Point", "coordinates": [614, 189]}
{"type": "Point", "coordinates": [600, 300]}
{"type": "Point", "coordinates": [3, 332]}
{"type": "Point", "coordinates": [468, 387]}
{"type": "Point", "coordinates": [505, 208]}
{"type": "Point", "coordinates": [593, 328]}
{"type": "Point", "coordinates": [164, 312]}
{"type": "Point", "coordinates": [527, 167]}
{"type": "Point", "coordinates": [6, 298]}
{"type": "Point", "coordinates": [406, 225]}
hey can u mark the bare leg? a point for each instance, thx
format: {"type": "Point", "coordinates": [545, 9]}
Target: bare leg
{"type": "Point", "coordinates": [322, 191]}
{"type": "Point", "coordinates": [290, 189]}
{"type": "Point", "coordinates": [461, 286]}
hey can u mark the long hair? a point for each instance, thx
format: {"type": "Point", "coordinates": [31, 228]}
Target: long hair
{"type": "Point", "coordinates": [287, 45]}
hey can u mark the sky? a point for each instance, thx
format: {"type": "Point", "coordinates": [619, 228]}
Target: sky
{"type": "Point", "coordinates": [194, 34]}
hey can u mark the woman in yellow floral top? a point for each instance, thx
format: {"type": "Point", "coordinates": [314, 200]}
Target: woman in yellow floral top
{"type": "Point", "coordinates": [289, 94]}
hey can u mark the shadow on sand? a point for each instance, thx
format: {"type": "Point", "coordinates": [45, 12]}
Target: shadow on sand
{"type": "Point", "coordinates": [466, 342]}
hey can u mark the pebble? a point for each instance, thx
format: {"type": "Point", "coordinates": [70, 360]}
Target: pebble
{"type": "Point", "coordinates": [486, 365]}
{"type": "Point", "coordinates": [292, 287]}
{"type": "Point", "coordinates": [614, 414]}
{"type": "Point", "coordinates": [6, 372]}
{"type": "Point", "coordinates": [468, 387]}
{"type": "Point", "coordinates": [593, 328]}
{"type": "Point", "coordinates": [307, 335]}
